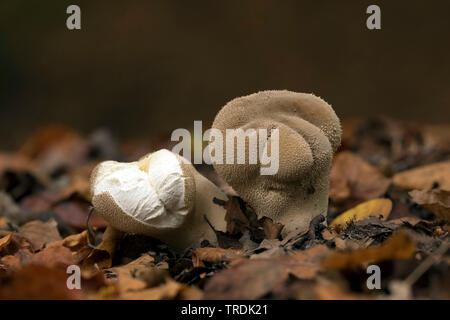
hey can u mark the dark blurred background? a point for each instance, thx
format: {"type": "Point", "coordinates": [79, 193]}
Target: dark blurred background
{"type": "Point", "coordinates": [146, 67]}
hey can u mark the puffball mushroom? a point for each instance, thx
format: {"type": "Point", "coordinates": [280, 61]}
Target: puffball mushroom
{"type": "Point", "coordinates": [161, 195]}
{"type": "Point", "coordinates": [309, 134]}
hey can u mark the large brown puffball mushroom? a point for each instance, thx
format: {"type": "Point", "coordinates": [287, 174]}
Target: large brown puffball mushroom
{"type": "Point", "coordinates": [309, 134]}
{"type": "Point", "coordinates": [161, 195]}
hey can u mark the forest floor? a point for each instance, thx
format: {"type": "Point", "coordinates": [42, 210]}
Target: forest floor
{"type": "Point", "coordinates": [386, 235]}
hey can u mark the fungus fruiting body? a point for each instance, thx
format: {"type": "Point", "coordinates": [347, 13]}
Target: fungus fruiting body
{"type": "Point", "coordinates": [161, 195]}
{"type": "Point", "coordinates": [309, 134]}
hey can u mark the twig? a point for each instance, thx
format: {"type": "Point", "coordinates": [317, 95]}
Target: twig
{"type": "Point", "coordinates": [91, 232]}
{"type": "Point", "coordinates": [426, 264]}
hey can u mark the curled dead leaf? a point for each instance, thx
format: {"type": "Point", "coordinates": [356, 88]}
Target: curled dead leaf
{"type": "Point", "coordinates": [272, 230]}
{"type": "Point", "coordinates": [39, 282]}
{"type": "Point", "coordinates": [254, 278]}
{"type": "Point", "coordinates": [399, 246]}
{"type": "Point", "coordinates": [168, 291]}
{"type": "Point", "coordinates": [40, 233]}
{"type": "Point", "coordinates": [425, 178]}
{"type": "Point", "coordinates": [215, 255]}
{"type": "Point", "coordinates": [437, 201]}
{"type": "Point", "coordinates": [353, 179]}
{"type": "Point", "coordinates": [373, 208]}
{"type": "Point", "coordinates": [4, 241]}
{"type": "Point", "coordinates": [127, 274]}
{"type": "Point", "coordinates": [101, 257]}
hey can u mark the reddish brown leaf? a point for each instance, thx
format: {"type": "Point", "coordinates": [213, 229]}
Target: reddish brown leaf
{"type": "Point", "coordinates": [437, 201]}
{"type": "Point", "coordinates": [354, 180]}
{"type": "Point", "coordinates": [425, 178]}
{"type": "Point", "coordinates": [216, 255]}
{"type": "Point", "coordinates": [398, 246]}
{"type": "Point", "coordinates": [272, 230]}
{"type": "Point", "coordinates": [101, 257]}
{"type": "Point", "coordinates": [6, 240]}
{"type": "Point", "coordinates": [39, 282]}
{"type": "Point", "coordinates": [40, 233]}
{"type": "Point", "coordinates": [254, 278]}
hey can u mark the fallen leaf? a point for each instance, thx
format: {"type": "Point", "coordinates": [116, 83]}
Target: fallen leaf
{"type": "Point", "coordinates": [437, 201]}
{"type": "Point", "coordinates": [54, 148]}
{"type": "Point", "coordinates": [15, 162]}
{"type": "Point", "coordinates": [9, 209]}
{"type": "Point", "coordinates": [17, 242]}
{"type": "Point", "coordinates": [54, 254]}
{"type": "Point", "coordinates": [425, 178]}
{"type": "Point", "coordinates": [235, 212]}
{"type": "Point", "coordinates": [6, 240]}
{"type": "Point", "coordinates": [18, 259]}
{"type": "Point", "coordinates": [170, 290]}
{"type": "Point", "coordinates": [272, 230]}
{"type": "Point", "coordinates": [437, 136]}
{"type": "Point", "coordinates": [327, 290]}
{"type": "Point", "coordinates": [39, 282]}
{"type": "Point", "coordinates": [126, 274]}
{"type": "Point", "coordinates": [399, 246]}
{"type": "Point", "coordinates": [77, 244]}
{"type": "Point", "coordinates": [255, 278]}
{"type": "Point", "coordinates": [353, 179]}
{"type": "Point", "coordinates": [40, 233]}
{"type": "Point", "coordinates": [216, 255]}
{"type": "Point", "coordinates": [74, 211]}
{"type": "Point", "coordinates": [372, 208]}
{"type": "Point", "coordinates": [101, 257]}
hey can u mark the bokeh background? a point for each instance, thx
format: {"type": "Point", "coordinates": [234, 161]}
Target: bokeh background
{"type": "Point", "coordinates": [145, 67]}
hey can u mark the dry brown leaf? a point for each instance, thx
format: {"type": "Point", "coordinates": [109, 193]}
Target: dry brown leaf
{"type": "Point", "coordinates": [76, 241]}
{"type": "Point", "coordinates": [15, 261]}
{"type": "Point", "coordinates": [18, 242]}
{"type": "Point", "coordinates": [74, 211]}
{"type": "Point", "coordinates": [127, 273]}
{"type": "Point", "coordinates": [77, 244]}
{"type": "Point", "coordinates": [15, 162]}
{"type": "Point", "coordinates": [40, 233]}
{"type": "Point", "coordinates": [4, 241]}
{"type": "Point", "coordinates": [437, 136]}
{"type": "Point", "coordinates": [37, 281]}
{"type": "Point", "coordinates": [353, 179]}
{"type": "Point", "coordinates": [399, 246]}
{"type": "Point", "coordinates": [3, 222]}
{"type": "Point", "coordinates": [437, 201]}
{"type": "Point", "coordinates": [335, 291]}
{"type": "Point", "coordinates": [254, 278]}
{"type": "Point", "coordinates": [101, 256]}
{"type": "Point", "coordinates": [168, 291]}
{"type": "Point", "coordinates": [79, 182]}
{"type": "Point", "coordinates": [425, 178]}
{"type": "Point", "coordinates": [272, 230]}
{"type": "Point", "coordinates": [328, 234]}
{"type": "Point", "coordinates": [54, 254]}
{"type": "Point", "coordinates": [234, 212]}
{"type": "Point", "coordinates": [372, 208]}
{"type": "Point", "coordinates": [216, 255]}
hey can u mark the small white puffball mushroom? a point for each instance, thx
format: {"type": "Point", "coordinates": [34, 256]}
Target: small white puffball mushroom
{"type": "Point", "coordinates": [161, 195]}
{"type": "Point", "coordinates": [309, 134]}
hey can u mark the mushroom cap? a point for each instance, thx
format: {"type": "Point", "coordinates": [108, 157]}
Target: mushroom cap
{"type": "Point", "coordinates": [309, 134]}
{"type": "Point", "coordinates": [281, 106]}
{"type": "Point", "coordinates": [157, 192]}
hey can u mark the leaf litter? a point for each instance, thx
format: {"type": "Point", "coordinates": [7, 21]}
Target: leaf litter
{"type": "Point", "coordinates": [389, 202]}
